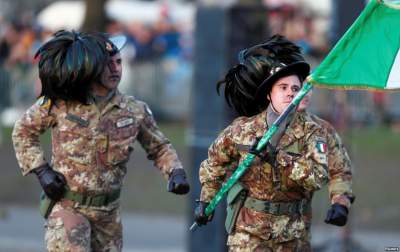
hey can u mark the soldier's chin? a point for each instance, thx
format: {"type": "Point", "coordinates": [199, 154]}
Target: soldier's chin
{"type": "Point", "coordinates": [113, 83]}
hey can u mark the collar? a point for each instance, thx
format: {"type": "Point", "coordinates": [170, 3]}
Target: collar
{"type": "Point", "coordinates": [260, 122]}
{"type": "Point", "coordinates": [117, 99]}
{"type": "Point", "coordinates": [294, 131]}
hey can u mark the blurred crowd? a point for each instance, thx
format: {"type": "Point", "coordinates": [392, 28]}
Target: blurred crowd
{"type": "Point", "coordinates": [21, 37]}
{"type": "Point", "coordinates": [301, 24]}
{"type": "Point", "coordinates": [158, 58]}
{"type": "Point", "coordinates": [166, 43]}
{"type": "Point", "coordinates": [164, 46]}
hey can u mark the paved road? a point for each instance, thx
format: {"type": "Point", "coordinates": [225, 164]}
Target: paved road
{"type": "Point", "coordinates": [21, 231]}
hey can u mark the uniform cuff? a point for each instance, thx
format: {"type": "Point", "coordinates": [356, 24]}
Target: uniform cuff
{"type": "Point", "coordinates": [343, 200]}
{"type": "Point", "coordinates": [30, 169]}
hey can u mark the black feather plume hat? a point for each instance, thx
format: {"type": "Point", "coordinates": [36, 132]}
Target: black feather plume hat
{"type": "Point", "coordinates": [286, 59]}
{"type": "Point", "coordinates": [70, 62]}
{"type": "Point", "coordinates": [247, 84]}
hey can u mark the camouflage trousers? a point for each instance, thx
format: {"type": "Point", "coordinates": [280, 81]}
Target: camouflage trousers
{"type": "Point", "coordinates": [245, 242]}
{"type": "Point", "coordinates": [71, 229]}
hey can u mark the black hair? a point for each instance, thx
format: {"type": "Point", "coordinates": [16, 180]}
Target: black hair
{"type": "Point", "coordinates": [70, 62]}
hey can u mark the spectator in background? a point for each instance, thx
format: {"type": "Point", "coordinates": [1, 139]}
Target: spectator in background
{"type": "Point", "coordinates": [11, 36]}
{"type": "Point", "coordinates": [12, 33]}
{"type": "Point", "coordinates": [142, 38]}
{"type": "Point", "coordinates": [167, 39]}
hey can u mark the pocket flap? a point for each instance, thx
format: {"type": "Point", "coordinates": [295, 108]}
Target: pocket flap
{"type": "Point", "coordinates": [234, 192]}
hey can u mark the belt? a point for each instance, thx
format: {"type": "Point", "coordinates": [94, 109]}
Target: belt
{"type": "Point", "coordinates": [96, 200]}
{"type": "Point", "coordinates": [278, 208]}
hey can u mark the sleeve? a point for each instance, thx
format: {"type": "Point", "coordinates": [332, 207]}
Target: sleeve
{"type": "Point", "coordinates": [25, 136]}
{"type": "Point", "coordinates": [340, 171]}
{"type": "Point", "coordinates": [309, 168]}
{"type": "Point", "coordinates": [222, 157]}
{"type": "Point", "coordinates": [156, 145]}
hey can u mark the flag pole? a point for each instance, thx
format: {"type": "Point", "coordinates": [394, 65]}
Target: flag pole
{"type": "Point", "coordinates": [242, 168]}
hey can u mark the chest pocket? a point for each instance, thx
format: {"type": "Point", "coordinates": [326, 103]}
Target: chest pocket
{"type": "Point", "coordinates": [74, 140]}
{"type": "Point", "coordinates": [294, 152]}
{"type": "Point", "coordinates": [122, 136]}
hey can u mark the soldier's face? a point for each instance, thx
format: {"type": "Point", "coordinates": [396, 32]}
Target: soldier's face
{"type": "Point", "coordinates": [283, 92]}
{"type": "Point", "coordinates": [111, 76]}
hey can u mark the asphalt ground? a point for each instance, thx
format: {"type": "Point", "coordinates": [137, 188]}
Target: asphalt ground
{"type": "Point", "coordinates": [21, 230]}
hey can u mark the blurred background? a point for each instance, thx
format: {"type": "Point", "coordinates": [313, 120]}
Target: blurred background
{"type": "Point", "coordinates": [176, 52]}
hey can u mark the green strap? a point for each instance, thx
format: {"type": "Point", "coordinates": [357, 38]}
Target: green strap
{"type": "Point", "coordinates": [278, 208]}
{"type": "Point", "coordinates": [96, 200]}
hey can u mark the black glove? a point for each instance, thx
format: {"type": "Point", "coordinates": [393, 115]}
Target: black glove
{"type": "Point", "coordinates": [199, 213]}
{"type": "Point", "coordinates": [52, 182]}
{"type": "Point", "coordinates": [337, 215]}
{"type": "Point", "coordinates": [177, 182]}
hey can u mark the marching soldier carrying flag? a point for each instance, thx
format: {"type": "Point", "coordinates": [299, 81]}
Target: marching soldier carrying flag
{"type": "Point", "coordinates": [269, 208]}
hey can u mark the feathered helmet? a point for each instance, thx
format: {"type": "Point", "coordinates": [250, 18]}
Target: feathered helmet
{"type": "Point", "coordinates": [71, 61]}
{"type": "Point", "coordinates": [247, 84]}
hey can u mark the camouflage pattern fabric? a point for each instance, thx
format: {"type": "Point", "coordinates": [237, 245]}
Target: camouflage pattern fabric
{"type": "Point", "coordinates": [244, 242]}
{"type": "Point", "coordinates": [79, 229]}
{"type": "Point", "coordinates": [340, 169]}
{"type": "Point", "coordinates": [90, 148]}
{"type": "Point", "coordinates": [302, 161]}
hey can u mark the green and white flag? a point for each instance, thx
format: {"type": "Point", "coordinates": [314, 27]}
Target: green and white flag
{"type": "Point", "coordinates": [367, 56]}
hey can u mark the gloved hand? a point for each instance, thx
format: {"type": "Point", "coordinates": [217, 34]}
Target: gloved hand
{"type": "Point", "coordinates": [52, 182]}
{"type": "Point", "coordinates": [337, 215]}
{"type": "Point", "coordinates": [177, 182]}
{"type": "Point", "coordinates": [200, 213]}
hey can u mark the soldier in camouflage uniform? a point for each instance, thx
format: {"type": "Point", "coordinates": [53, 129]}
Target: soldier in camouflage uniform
{"type": "Point", "coordinates": [93, 128]}
{"type": "Point", "coordinates": [272, 207]}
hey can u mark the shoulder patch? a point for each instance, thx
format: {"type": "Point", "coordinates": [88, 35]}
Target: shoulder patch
{"type": "Point", "coordinates": [321, 146]}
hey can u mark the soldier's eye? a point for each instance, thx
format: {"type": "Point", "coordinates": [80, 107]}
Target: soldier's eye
{"type": "Point", "coordinates": [295, 89]}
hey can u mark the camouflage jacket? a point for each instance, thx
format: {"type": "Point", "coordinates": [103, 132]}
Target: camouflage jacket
{"type": "Point", "coordinates": [339, 164]}
{"type": "Point", "coordinates": [301, 159]}
{"type": "Point", "coordinates": [91, 147]}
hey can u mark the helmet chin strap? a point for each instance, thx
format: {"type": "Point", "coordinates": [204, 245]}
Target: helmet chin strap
{"type": "Point", "coordinates": [272, 105]}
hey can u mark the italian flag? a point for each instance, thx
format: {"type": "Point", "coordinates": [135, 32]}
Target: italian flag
{"type": "Point", "coordinates": [367, 56]}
